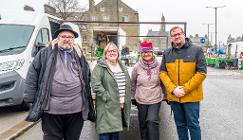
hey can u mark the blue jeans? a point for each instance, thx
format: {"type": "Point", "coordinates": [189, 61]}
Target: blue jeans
{"type": "Point", "coordinates": [109, 136]}
{"type": "Point", "coordinates": [187, 118]}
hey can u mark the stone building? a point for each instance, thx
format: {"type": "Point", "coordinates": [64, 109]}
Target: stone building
{"type": "Point", "coordinates": [111, 11]}
{"type": "Point", "coordinates": [106, 11]}
{"type": "Point", "coordinates": [163, 41]}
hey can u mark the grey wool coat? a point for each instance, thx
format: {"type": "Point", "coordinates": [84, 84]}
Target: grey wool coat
{"type": "Point", "coordinates": [109, 114]}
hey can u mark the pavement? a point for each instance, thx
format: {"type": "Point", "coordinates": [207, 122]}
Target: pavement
{"type": "Point", "coordinates": [16, 130]}
{"type": "Point", "coordinates": [167, 128]}
{"type": "Point", "coordinates": [221, 113]}
{"type": "Point", "coordinates": [88, 132]}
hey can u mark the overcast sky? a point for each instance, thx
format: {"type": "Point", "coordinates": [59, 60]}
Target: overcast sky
{"type": "Point", "coordinates": [193, 12]}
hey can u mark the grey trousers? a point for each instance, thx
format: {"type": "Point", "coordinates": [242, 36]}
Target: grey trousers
{"type": "Point", "coordinates": [148, 116]}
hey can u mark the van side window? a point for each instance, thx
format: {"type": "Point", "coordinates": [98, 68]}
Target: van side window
{"type": "Point", "coordinates": [45, 34]}
{"type": "Point", "coordinates": [42, 39]}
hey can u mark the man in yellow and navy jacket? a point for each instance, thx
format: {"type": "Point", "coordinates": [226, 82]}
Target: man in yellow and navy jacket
{"type": "Point", "coordinates": [182, 71]}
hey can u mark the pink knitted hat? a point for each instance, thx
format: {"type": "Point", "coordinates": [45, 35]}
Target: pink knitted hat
{"type": "Point", "coordinates": [146, 46]}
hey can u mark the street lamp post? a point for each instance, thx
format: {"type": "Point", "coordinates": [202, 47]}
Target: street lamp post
{"type": "Point", "coordinates": [215, 9]}
{"type": "Point", "coordinates": [208, 24]}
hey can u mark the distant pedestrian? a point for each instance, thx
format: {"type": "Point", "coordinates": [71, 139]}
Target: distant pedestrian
{"type": "Point", "coordinates": [58, 85]}
{"type": "Point", "coordinates": [112, 85]}
{"type": "Point", "coordinates": [183, 70]}
{"type": "Point", "coordinates": [147, 92]}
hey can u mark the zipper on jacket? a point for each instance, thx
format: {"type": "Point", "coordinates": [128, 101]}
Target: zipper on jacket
{"type": "Point", "coordinates": [179, 83]}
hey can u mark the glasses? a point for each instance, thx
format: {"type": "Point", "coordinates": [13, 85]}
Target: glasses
{"type": "Point", "coordinates": [178, 34]}
{"type": "Point", "coordinates": [111, 51]}
{"type": "Point", "coordinates": [66, 37]}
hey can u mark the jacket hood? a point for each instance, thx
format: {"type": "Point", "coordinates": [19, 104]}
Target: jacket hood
{"type": "Point", "coordinates": [102, 62]}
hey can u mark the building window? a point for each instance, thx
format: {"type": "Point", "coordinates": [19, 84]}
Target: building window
{"type": "Point", "coordinates": [93, 18]}
{"type": "Point", "coordinates": [84, 38]}
{"type": "Point", "coordinates": [120, 9]}
{"type": "Point", "coordinates": [105, 18]}
{"type": "Point", "coordinates": [125, 19]}
{"type": "Point", "coordinates": [102, 9]}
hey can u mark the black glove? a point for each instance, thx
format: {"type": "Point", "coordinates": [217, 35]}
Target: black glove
{"type": "Point", "coordinates": [134, 102]}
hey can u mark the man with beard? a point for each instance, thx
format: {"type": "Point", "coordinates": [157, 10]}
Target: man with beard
{"type": "Point", "coordinates": [58, 85]}
{"type": "Point", "coordinates": [182, 71]}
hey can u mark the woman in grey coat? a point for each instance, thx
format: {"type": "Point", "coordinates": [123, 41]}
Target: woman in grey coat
{"type": "Point", "coordinates": [147, 91]}
{"type": "Point", "coordinates": [111, 83]}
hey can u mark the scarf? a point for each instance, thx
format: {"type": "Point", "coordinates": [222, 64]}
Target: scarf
{"type": "Point", "coordinates": [146, 66]}
{"type": "Point", "coordinates": [67, 55]}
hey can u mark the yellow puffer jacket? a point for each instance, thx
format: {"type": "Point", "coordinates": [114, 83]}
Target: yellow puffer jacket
{"type": "Point", "coordinates": [184, 67]}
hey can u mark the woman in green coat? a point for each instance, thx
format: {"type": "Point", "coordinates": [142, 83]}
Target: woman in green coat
{"type": "Point", "coordinates": [112, 85]}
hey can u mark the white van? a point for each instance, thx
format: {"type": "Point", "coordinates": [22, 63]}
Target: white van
{"type": "Point", "coordinates": [235, 49]}
{"type": "Point", "coordinates": [22, 35]}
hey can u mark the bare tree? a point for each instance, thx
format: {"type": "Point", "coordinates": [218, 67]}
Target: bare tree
{"type": "Point", "coordinates": [65, 8]}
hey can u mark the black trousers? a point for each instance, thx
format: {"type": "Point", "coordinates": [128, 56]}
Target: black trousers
{"type": "Point", "coordinates": [148, 116]}
{"type": "Point", "coordinates": [59, 127]}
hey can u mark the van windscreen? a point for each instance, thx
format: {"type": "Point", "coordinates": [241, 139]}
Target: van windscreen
{"type": "Point", "coordinates": [14, 38]}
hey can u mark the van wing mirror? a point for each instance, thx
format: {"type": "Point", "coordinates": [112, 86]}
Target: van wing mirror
{"type": "Point", "coordinates": [37, 48]}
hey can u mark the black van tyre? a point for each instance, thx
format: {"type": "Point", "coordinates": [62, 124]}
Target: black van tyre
{"type": "Point", "coordinates": [25, 106]}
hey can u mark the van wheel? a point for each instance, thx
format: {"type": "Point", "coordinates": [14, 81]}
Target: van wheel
{"type": "Point", "coordinates": [25, 106]}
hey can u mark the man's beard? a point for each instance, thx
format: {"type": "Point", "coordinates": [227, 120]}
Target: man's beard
{"type": "Point", "coordinates": [178, 45]}
{"type": "Point", "coordinates": [66, 46]}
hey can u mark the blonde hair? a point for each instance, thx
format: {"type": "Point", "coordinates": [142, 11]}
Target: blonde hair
{"type": "Point", "coordinates": [109, 45]}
